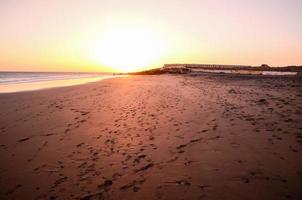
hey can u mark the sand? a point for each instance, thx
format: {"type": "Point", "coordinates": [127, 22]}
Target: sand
{"type": "Point", "coordinates": [155, 137]}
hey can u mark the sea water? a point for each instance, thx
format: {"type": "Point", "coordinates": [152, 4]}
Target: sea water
{"type": "Point", "coordinates": [26, 81]}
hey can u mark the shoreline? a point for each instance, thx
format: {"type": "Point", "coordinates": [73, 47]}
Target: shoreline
{"type": "Point", "coordinates": [75, 83]}
{"type": "Point", "coordinates": [49, 84]}
{"type": "Point", "coordinates": [97, 80]}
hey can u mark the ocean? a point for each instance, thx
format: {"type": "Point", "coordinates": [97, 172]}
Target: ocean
{"type": "Point", "coordinates": [27, 81]}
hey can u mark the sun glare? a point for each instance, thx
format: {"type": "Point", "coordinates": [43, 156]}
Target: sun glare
{"type": "Point", "coordinates": [129, 49]}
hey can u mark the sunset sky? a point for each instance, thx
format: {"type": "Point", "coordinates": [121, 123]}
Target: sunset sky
{"type": "Point", "coordinates": [127, 35]}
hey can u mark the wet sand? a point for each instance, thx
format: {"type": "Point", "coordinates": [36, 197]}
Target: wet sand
{"type": "Point", "coordinates": [155, 137]}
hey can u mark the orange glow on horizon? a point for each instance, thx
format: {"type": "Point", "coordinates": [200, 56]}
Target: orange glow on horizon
{"type": "Point", "coordinates": [121, 36]}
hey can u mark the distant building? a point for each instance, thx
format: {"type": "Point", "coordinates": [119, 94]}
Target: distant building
{"type": "Point", "coordinates": [181, 68]}
{"type": "Point", "coordinates": [264, 69]}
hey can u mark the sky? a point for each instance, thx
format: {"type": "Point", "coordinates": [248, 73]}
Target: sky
{"type": "Point", "coordinates": [129, 35]}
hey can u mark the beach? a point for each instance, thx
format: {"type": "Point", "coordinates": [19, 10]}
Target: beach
{"type": "Point", "coordinates": [155, 137]}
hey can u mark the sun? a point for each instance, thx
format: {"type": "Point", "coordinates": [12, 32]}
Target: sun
{"type": "Point", "coordinates": [129, 49]}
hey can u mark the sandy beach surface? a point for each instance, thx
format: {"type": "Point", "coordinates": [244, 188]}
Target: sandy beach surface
{"type": "Point", "coordinates": [155, 137]}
